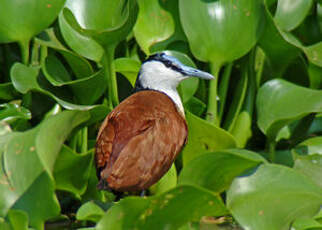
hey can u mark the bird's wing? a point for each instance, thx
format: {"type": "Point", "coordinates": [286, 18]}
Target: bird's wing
{"type": "Point", "coordinates": [138, 141]}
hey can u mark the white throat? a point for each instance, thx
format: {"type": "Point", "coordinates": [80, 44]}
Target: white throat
{"type": "Point", "coordinates": [156, 76]}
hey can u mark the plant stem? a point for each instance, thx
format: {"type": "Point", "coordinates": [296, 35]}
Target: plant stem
{"type": "Point", "coordinates": [271, 150]}
{"type": "Point", "coordinates": [35, 53]}
{"type": "Point", "coordinates": [222, 91]}
{"type": "Point", "coordinates": [212, 97]}
{"type": "Point", "coordinates": [24, 48]}
{"type": "Point", "coordinates": [84, 140]}
{"type": "Point", "coordinates": [109, 71]}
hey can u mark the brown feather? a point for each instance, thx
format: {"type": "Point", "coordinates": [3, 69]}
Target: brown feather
{"type": "Point", "coordinates": [139, 140]}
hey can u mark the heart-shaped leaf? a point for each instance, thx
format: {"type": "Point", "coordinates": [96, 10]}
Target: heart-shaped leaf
{"type": "Point", "coordinates": [20, 20]}
{"type": "Point", "coordinates": [215, 25]}
{"type": "Point", "coordinates": [71, 171]}
{"type": "Point", "coordinates": [153, 25]}
{"type": "Point", "coordinates": [280, 102]}
{"type": "Point", "coordinates": [272, 198]}
{"type": "Point", "coordinates": [90, 211]}
{"type": "Point", "coordinates": [215, 171]}
{"type": "Point", "coordinates": [289, 14]}
{"type": "Point", "coordinates": [162, 211]}
{"type": "Point", "coordinates": [204, 137]}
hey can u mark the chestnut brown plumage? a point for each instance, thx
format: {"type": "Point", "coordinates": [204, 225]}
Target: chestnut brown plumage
{"type": "Point", "coordinates": [139, 140]}
{"type": "Point", "coordinates": [141, 137]}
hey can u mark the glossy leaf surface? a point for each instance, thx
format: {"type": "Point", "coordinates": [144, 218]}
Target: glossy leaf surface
{"type": "Point", "coordinates": [215, 25]}
{"type": "Point", "coordinates": [22, 19]}
{"type": "Point", "coordinates": [215, 171]}
{"type": "Point", "coordinates": [204, 137]}
{"type": "Point", "coordinates": [282, 187]}
{"type": "Point", "coordinates": [280, 102]}
{"type": "Point", "coordinates": [161, 211]}
{"type": "Point", "coordinates": [153, 25]}
{"type": "Point", "coordinates": [289, 14]}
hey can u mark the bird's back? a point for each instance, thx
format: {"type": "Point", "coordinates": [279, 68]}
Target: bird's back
{"type": "Point", "coordinates": [139, 140]}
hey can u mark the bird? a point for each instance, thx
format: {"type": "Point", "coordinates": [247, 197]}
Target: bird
{"type": "Point", "coordinates": [140, 138]}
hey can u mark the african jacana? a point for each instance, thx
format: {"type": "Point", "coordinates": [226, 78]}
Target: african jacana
{"type": "Point", "coordinates": [139, 140]}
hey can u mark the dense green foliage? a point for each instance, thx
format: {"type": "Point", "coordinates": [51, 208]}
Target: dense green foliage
{"type": "Point", "coordinates": [254, 154]}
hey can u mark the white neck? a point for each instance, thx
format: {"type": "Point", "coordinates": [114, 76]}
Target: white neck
{"type": "Point", "coordinates": [154, 75]}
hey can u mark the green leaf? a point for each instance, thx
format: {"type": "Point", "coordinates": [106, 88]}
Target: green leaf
{"type": "Point", "coordinates": [7, 91]}
{"type": "Point", "coordinates": [81, 44]}
{"type": "Point", "coordinates": [42, 209]}
{"type": "Point", "coordinates": [153, 25]}
{"type": "Point", "coordinates": [90, 211]}
{"type": "Point", "coordinates": [195, 106]}
{"type": "Point", "coordinates": [289, 14]}
{"type": "Point", "coordinates": [242, 129]}
{"type": "Point", "coordinates": [11, 112]}
{"type": "Point", "coordinates": [86, 90]}
{"type": "Point", "coordinates": [162, 211]}
{"type": "Point", "coordinates": [128, 67]}
{"type": "Point", "coordinates": [25, 79]}
{"type": "Point", "coordinates": [72, 170]}
{"type": "Point", "coordinates": [167, 182]}
{"type": "Point", "coordinates": [278, 51]}
{"type": "Point", "coordinates": [89, 19]}
{"type": "Point", "coordinates": [280, 102]}
{"type": "Point", "coordinates": [25, 156]}
{"type": "Point", "coordinates": [215, 171]}
{"type": "Point", "coordinates": [79, 65]}
{"type": "Point", "coordinates": [310, 146]}
{"type": "Point", "coordinates": [48, 144]}
{"type": "Point", "coordinates": [306, 224]}
{"type": "Point", "coordinates": [204, 137]}
{"type": "Point", "coordinates": [20, 20]}
{"type": "Point", "coordinates": [272, 198]}
{"type": "Point", "coordinates": [215, 25]}
{"type": "Point", "coordinates": [18, 219]}
{"type": "Point", "coordinates": [311, 166]}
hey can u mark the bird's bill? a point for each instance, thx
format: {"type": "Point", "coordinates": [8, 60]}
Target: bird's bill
{"type": "Point", "coordinates": [196, 73]}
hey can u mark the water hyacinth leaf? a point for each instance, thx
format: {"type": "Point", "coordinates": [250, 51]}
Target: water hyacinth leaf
{"type": "Point", "coordinates": [278, 51]}
{"type": "Point", "coordinates": [7, 91]}
{"type": "Point", "coordinates": [12, 112]}
{"type": "Point", "coordinates": [49, 144]}
{"type": "Point", "coordinates": [242, 129]}
{"type": "Point", "coordinates": [79, 65]}
{"type": "Point", "coordinates": [289, 14]}
{"type": "Point", "coordinates": [314, 53]}
{"type": "Point", "coordinates": [280, 102]}
{"type": "Point", "coordinates": [39, 210]}
{"type": "Point", "coordinates": [204, 137]}
{"type": "Point", "coordinates": [315, 73]}
{"type": "Point", "coordinates": [195, 106]}
{"type": "Point", "coordinates": [24, 79]}
{"type": "Point", "coordinates": [178, 36]}
{"type": "Point", "coordinates": [72, 170]}
{"type": "Point", "coordinates": [306, 224]}
{"type": "Point", "coordinates": [161, 211]}
{"type": "Point", "coordinates": [310, 165]}
{"type": "Point", "coordinates": [79, 43]}
{"type": "Point", "coordinates": [18, 219]}
{"type": "Point", "coordinates": [297, 197]}
{"type": "Point", "coordinates": [153, 25]}
{"type": "Point", "coordinates": [128, 67]}
{"type": "Point", "coordinates": [167, 182]}
{"type": "Point", "coordinates": [215, 25]}
{"type": "Point", "coordinates": [92, 86]}
{"type": "Point", "coordinates": [90, 211]}
{"type": "Point", "coordinates": [215, 171]}
{"type": "Point", "coordinates": [308, 158]}
{"type": "Point", "coordinates": [20, 20]}
{"type": "Point", "coordinates": [310, 146]}
{"type": "Point", "coordinates": [89, 19]}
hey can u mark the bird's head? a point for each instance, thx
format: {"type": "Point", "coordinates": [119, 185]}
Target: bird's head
{"type": "Point", "coordinates": [163, 72]}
